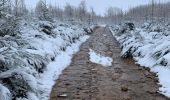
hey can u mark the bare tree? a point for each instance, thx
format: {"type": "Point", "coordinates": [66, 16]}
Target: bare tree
{"type": "Point", "coordinates": [23, 9]}
{"type": "Point", "coordinates": [113, 14]}
{"type": "Point", "coordinates": [69, 11]}
{"type": "Point", "coordinates": [59, 12]}
{"type": "Point", "coordinates": [16, 8]}
{"type": "Point", "coordinates": [153, 4]}
{"type": "Point", "coordinates": [92, 15]}
{"type": "Point", "coordinates": [19, 8]}
{"type": "Point", "coordinates": [51, 10]}
{"type": "Point", "coordinates": [82, 10]}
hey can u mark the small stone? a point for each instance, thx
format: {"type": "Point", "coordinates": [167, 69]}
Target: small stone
{"type": "Point", "coordinates": [150, 77]}
{"type": "Point", "coordinates": [104, 35]}
{"type": "Point", "coordinates": [67, 84]}
{"type": "Point", "coordinates": [147, 73]}
{"type": "Point", "coordinates": [127, 98]}
{"type": "Point", "coordinates": [110, 53]}
{"type": "Point", "coordinates": [124, 88]}
{"type": "Point", "coordinates": [85, 73]}
{"type": "Point", "coordinates": [79, 88]}
{"type": "Point", "coordinates": [139, 68]}
{"type": "Point", "coordinates": [94, 69]}
{"type": "Point", "coordinates": [152, 91]}
{"type": "Point", "coordinates": [148, 69]}
{"type": "Point", "coordinates": [156, 80]}
{"type": "Point", "coordinates": [63, 95]}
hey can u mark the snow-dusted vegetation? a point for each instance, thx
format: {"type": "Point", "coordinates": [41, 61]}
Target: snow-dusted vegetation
{"type": "Point", "coordinates": [149, 45]}
{"type": "Point", "coordinates": [35, 46]}
{"type": "Point", "coordinates": [25, 57]}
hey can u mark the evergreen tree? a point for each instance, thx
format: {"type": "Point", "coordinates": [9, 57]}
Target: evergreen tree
{"type": "Point", "coordinates": [42, 11]}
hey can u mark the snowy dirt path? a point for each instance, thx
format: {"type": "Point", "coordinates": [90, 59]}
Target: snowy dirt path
{"type": "Point", "coordinates": [123, 80]}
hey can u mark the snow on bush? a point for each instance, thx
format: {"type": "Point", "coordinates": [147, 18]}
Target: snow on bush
{"type": "Point", "coordinates": [25, 57]}
{"type": "Point", "coordinates": [149, 45]}
{"type": "Point", "coordinates": [4, 93]}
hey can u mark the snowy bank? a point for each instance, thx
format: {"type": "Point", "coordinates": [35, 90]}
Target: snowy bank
{"type": "Point", "coordinates": [54, 69]}
{"type": "Point", "coordinates": [149, 45]}
{"type": "Point", "coordinates": [33, 59]}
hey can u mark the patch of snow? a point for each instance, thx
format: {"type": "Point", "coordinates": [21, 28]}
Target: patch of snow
{"type": "Point", "coordinates": [4, 93]}
{"type": "Point", "coordinates": [3, 49]}
{"type": "Point", "coordinates": [104, 25]}
{"type": "Point", "coordinates": [105, 35]}
{"type": "Point", "coordinates": [164, 80]}
{"type": "Point", "coordinates": [99, 59]}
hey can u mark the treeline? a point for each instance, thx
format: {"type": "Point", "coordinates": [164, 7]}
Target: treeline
{"type": "Point", "coordinates": [12, 11]}
{"type": "Point", "coordinates": [159, 11]}
{"type": "Point", "coordinates": [151, 12]}
{"type": "Point", "coordinates": [46, 11]}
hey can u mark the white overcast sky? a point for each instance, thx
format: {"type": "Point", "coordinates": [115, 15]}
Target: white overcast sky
{"type": "Point", "coordinates": [99, 6]}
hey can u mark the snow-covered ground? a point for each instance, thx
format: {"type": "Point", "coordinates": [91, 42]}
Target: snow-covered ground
{"type": "Point", "coordinates": [149, 45]}
{"type": "Point", "coordinates": [99, 59]}
{"type": "Point", "coordinates": [32, 60]}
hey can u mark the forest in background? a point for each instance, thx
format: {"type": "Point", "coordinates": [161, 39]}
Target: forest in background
{"type": "Point", "coordinates": [11, 11]}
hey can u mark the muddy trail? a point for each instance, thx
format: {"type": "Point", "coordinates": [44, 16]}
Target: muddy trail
{"type": "Point", "coordinates": [84, 80]}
